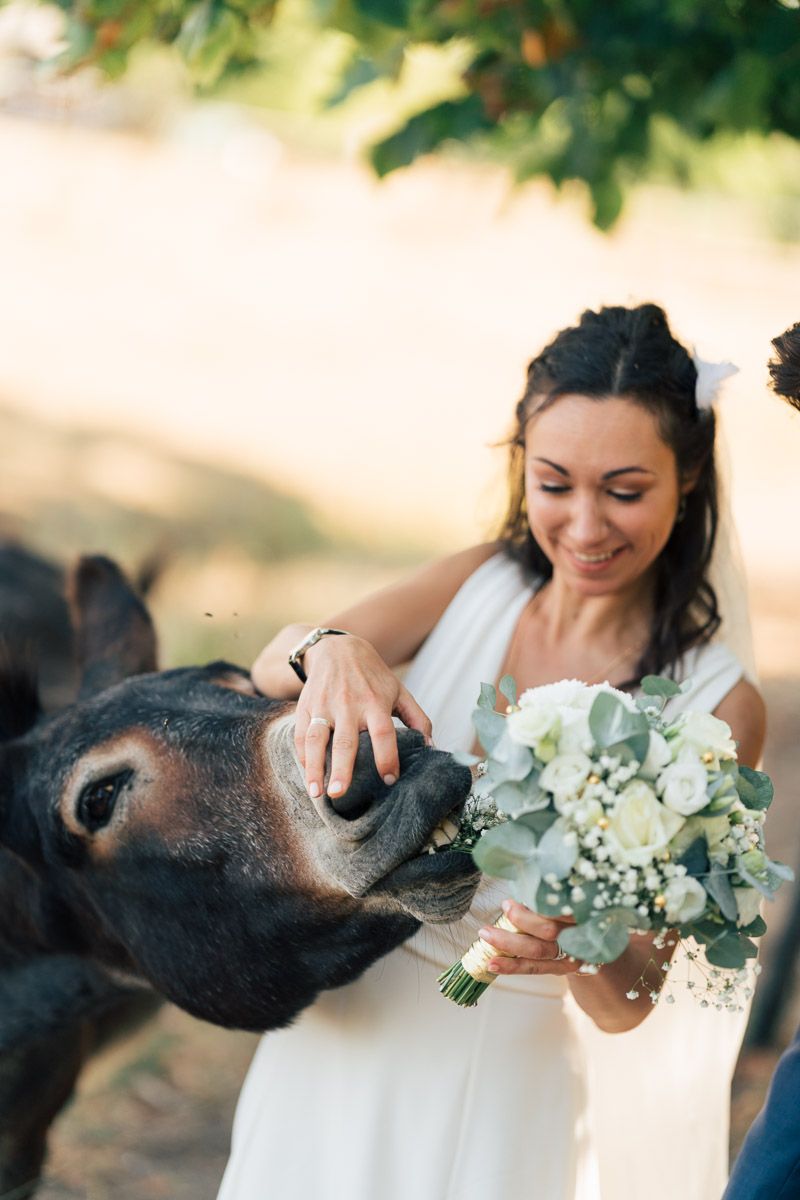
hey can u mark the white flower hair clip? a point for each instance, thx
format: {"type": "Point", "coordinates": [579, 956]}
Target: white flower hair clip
{"type": "Point", "coordinates": [710, 377]}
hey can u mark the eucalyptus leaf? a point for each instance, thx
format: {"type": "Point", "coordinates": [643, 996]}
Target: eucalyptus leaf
{"type": "Point", "coordinates": [518, 798]}
{"type": "Point", "coordinates": [539, 821]}
{"type": "Point", "coordinates": [718, 885]}
{"type": "Point", "coordinates": [695, 859]}
{"type": "Point", "coordinates": [727, 951]}
{"type": "Point", "coordinates": [488, 697]}
{"type": "Point", "coordinates": [503, 851]}
{"type": "Point", "coordinates": [602, 939]}
{"type": "Point", "coordinates": [755, 788]}
{"type": "Point", "coordinates": [756, 928]}
{"type": "Point", "coordinates": [558, 850]}
{"type": "Point", "coordinates": [660, 685]}
{"type": "Point", "coordinates": [508, 687]}
{"type": "Point", "coordinates": [525, 885]}
{"type": "Point", "coordinates": [511, 760]}
{"type": "Point", "coordinates": [547, 907]}
{"type": "Point", "coordinates": [617, 728]}
{"type": "Point", "coordinates": [489, 726]}
{"type": "Point", "coordinates": [464, 759]}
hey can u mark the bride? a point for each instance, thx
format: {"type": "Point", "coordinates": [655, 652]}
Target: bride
{"type": "Point", "coordinates": [383, 1090]}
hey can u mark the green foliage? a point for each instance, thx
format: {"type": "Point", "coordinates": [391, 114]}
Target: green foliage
{"type": "Point", "coordinates": [601, 939]}
{"type": "Point", "coordinates": [755, 788]}
{"type": "Point", "coordinates": [617, 729]}
{"type": "Point", "coordinates": [566, 89]}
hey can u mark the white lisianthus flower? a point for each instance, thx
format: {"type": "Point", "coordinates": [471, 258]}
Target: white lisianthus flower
{"type": "Point", "coordinates": [640, 826]}
{"type": "Point", "coordinates": [748, 904]}
{"type": "Point", "coordinates": [686, 898]}
{"type": "Point", "coordinates": [703, 732]}
{"type": "Point", "coordinates": [572, 701]}
{"type": "Point", "coordinates": [565, 775]}
{"type": "Point", "coordinates": [659, 756]}
{"type": "Point", "coordinates": [533, 723]}
{"type": "Point", "coordinates": [683, 784]}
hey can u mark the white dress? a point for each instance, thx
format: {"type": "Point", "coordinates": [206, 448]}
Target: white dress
{"type": "Point", "coordinates": [384, 1090]}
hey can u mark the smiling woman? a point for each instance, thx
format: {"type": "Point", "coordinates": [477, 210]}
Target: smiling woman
{"type": "Point", "coordinates": [600, 572]}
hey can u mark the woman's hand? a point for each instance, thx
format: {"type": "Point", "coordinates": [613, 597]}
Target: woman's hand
{"type": "Point", "coordinates": [535, 949]}
{"type": "Point", "coordinates": [350, 686]}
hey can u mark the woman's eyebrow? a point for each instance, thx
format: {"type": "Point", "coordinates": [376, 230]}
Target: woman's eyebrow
{"type": "Point", "coordinates": [608, 475]}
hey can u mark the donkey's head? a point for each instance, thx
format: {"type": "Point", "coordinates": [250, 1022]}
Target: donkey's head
{"type": "Point", "coordinates": [167, 813]}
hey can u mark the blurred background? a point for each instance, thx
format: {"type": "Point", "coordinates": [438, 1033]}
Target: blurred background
{"type": "Point", "coordinates": [227, 343]}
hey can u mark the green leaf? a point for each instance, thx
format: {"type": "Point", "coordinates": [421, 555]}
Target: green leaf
{"type": "Point", "coordinates": [508, 687]}
{"type": "Point", "coordinates": [558, 850]}
{"type": "Point", "coordinates": [539, 822]}
{"type": "Point", "coordinates": [600, 940]}
{"type": "Point", "coordinates": [453, 119]}
{"type": "Point", "coordinates": [519, 798]}
{"type": "Point", "coordinates": [388, 12]}
{"type": "Point", "coordinates": [547, 907]}
{"type": "Point", "coordinates": [488, 697]}
{"type": "Point", "coordinates": [504, 850]}
{"type": "Point", "coordinates": [659, 685]}
{"type": "Point", "coordinates": [728, 951]}
{"type": "Point", "coordinates": [525, 885]}
{"type": "Point", "coordinates": [464, 759]}
{"type": "Point", "coordinates": [756, 928]}
{"type": "Point", "coordinates": [718, 885]}
{"type": "Point", "coordinates": [755, 788]}
{"type": "Point", "coordinates": [615, 728]}
{"type": "Point", "coordinates": [489, 726]}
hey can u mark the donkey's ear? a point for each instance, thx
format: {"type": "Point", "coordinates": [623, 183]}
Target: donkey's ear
{"type": "Point", "coordinates": [19, 693]}
{"type": "Point", "coordinates": [114, 635]}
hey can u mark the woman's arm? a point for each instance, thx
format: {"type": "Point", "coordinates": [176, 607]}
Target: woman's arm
{"type": "Point", "coordinates": [744, 710]}
{"type": "Point", "coordinates": [350, 681]}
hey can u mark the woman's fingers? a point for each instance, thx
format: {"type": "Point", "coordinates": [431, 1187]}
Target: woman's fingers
{"type": "Point", "coordinates": [383, 736]}
{"type": "Point", "coordinates": [315, 747]}
{"type": "Point", "coordinates": [532, 951]}
{"type": "Point", "coordinates": [412, 715]}
{"type": "Point", "coordinates": [521, 945]}
{"type": "Point", "coordinates": [343, 755]}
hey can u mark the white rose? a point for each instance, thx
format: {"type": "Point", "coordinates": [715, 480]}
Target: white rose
{"type": "Point", "coordinates": [686, 899]}
{"type": "Point", "coordinates": [704, 732]}
{"type": "Point", "coordinates": [574, 735]}
{"type": "Point", "coordinates": [640, 825]}
{"type": "Point", "coordinates": [531, 724]}
{"type": "Point", "coordinates": [565, 692]}
{"type": "Point", "coordinates": [566, 774]}
{"type": "Point", "coordinates": [658, 756]}
{"type": "Point", "coordinates": [748, 904]}
{"type": "Point", "coordinates": [683, 784]}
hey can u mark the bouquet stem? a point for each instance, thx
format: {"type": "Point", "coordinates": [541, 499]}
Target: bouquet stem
{"type": "Point", "coordinates": [465, 982]}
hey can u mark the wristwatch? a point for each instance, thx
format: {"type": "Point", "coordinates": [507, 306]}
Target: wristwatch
{"type": "Point", "coordinates": [311, 639]}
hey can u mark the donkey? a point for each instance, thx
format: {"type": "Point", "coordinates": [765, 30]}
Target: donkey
{"type": "Point", "coordinates": [156, 834]}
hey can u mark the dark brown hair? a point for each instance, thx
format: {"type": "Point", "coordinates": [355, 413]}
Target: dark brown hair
{"type": "Point", "coordinates": [785, 368]}
{"type": "Point", "coordinates": [631, 353]}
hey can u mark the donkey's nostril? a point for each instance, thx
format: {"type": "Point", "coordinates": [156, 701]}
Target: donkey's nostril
{"type": "Point", "coordinates": [354, 802]}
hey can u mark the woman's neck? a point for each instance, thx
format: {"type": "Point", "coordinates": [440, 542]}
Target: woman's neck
{"type": "Point", "coordinates": [622, 616]}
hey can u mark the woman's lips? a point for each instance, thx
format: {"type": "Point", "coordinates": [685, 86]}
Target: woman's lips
{"type": "Point", "coordinates": [594, 564]}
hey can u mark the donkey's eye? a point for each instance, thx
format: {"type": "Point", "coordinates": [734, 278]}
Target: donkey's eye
{"type": "Point", "coordinates": [96, 801]}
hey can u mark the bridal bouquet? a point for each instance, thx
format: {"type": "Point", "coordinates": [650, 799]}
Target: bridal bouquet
{"type": "Point", "coordinates": [596, 807]}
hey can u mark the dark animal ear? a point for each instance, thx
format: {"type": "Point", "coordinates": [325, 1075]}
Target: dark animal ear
{"type": "Point", "coordinates": [19, 694]}
{"type": "Point", "coordinates": [114, 635]}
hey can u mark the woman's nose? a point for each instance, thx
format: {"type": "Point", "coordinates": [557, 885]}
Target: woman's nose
{"type": "Point", "coordinates": [587, 523]}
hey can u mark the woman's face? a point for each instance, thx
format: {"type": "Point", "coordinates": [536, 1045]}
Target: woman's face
{"type": "Point", "coordinates": [602, 490]}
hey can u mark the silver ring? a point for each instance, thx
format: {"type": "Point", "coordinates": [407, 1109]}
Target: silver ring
{"type": "Point", "coordinates": [562, 954]}
{"type": "Point", "coordinates": [320, 721]}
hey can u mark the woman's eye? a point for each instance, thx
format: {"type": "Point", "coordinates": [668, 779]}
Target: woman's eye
{"type": "Point", "coordinates": [96, 801]}
{"type": "Point", "coordinates": [553, 489]}
{"type": "Point", "coordinates": [626, 497]}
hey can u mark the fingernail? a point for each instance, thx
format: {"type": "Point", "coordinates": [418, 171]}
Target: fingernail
{"type": "Point", "coordinates": [313, 790]}
{"type": "Point", "coordinates": [486, 934]}
{"type": "Point", "coordinates": [428, 741]}
{"type": "Point", "coordinates": [335, 787]}
{"type": "Point", "coordinates": [493, 966]}
{"type": "Point", "coordinates": [506, 905]}
{"type": "Point", "coordinates": [389, 780]}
